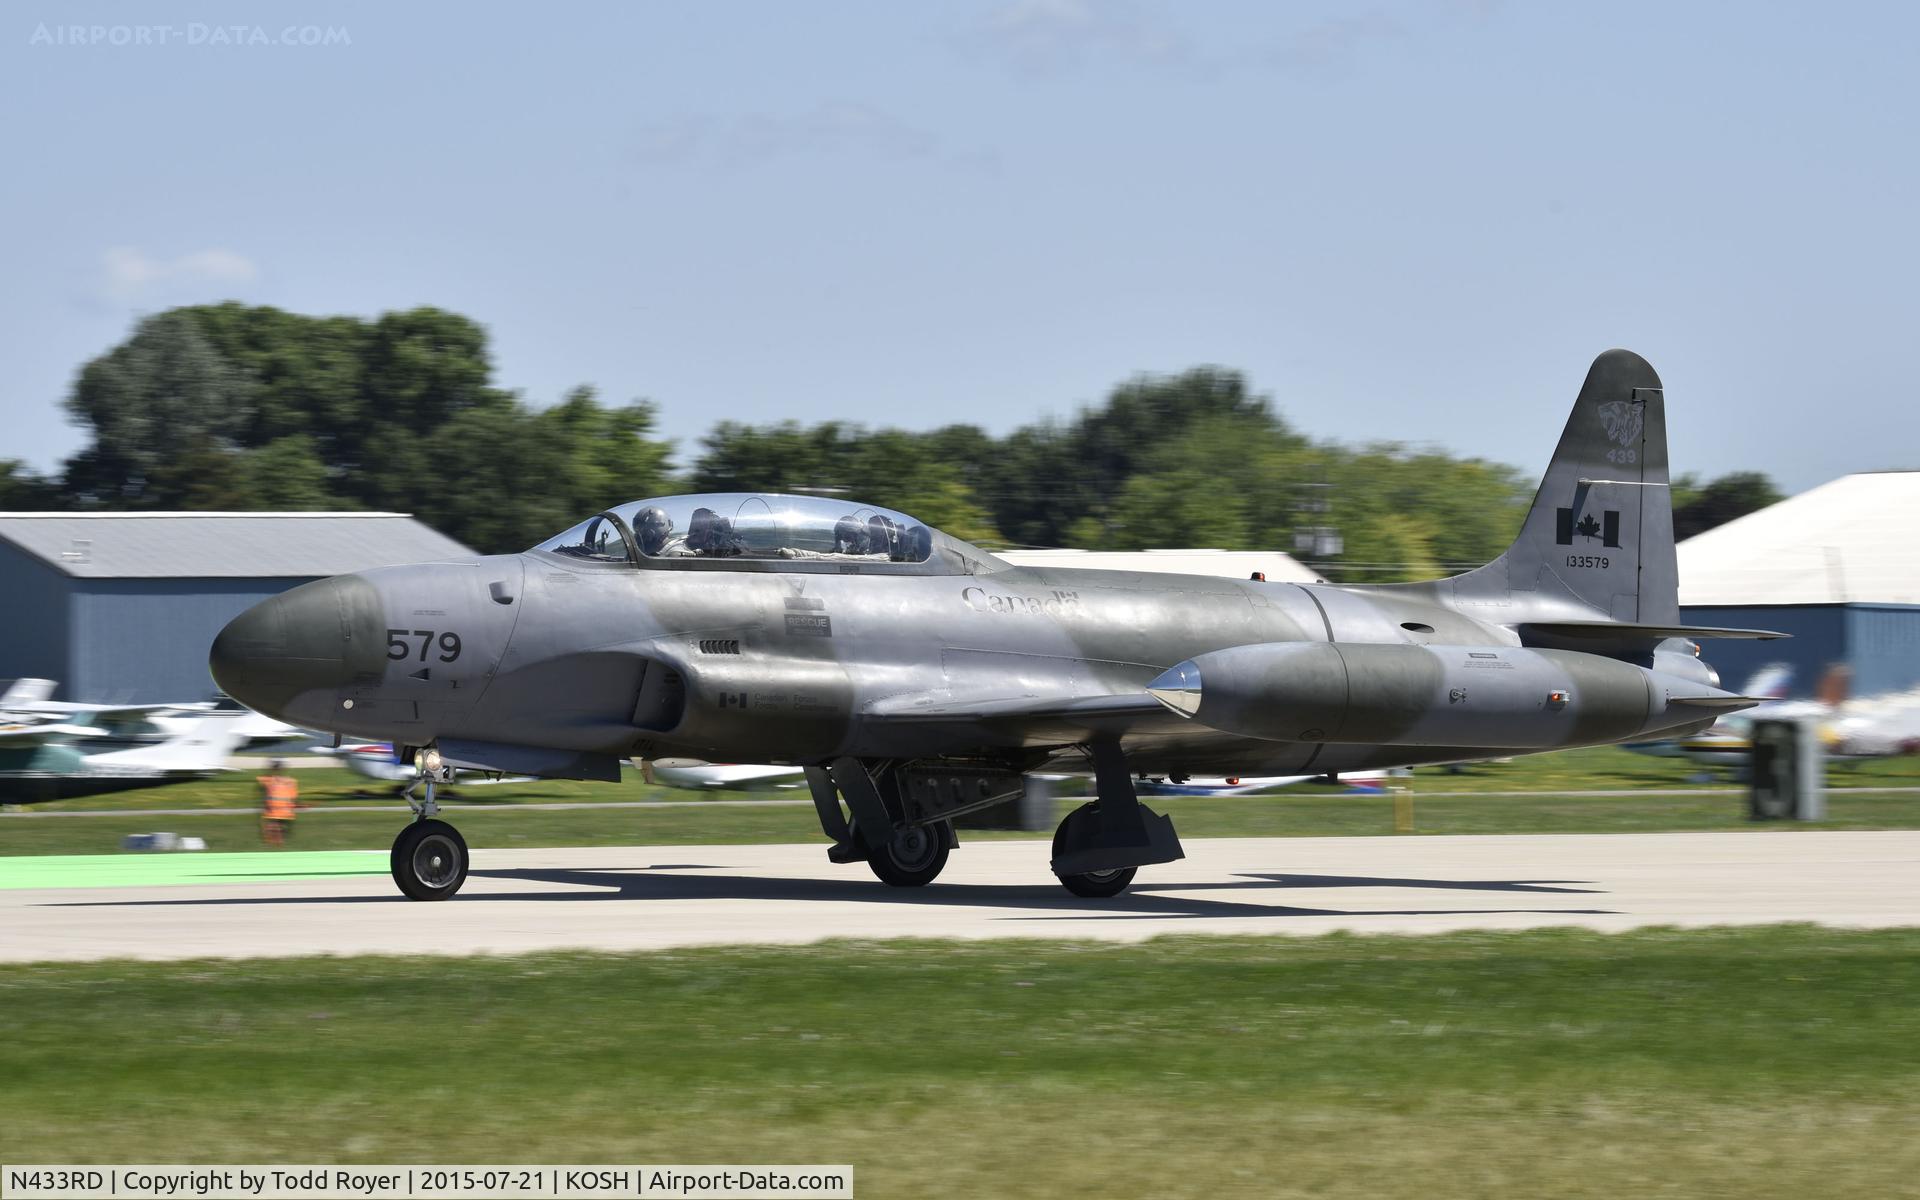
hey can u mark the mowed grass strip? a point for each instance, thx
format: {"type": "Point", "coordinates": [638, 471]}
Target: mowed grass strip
{"type": "Point", "coordinates": [1778, 1061]}
{"type": "Point", "coordinates": [1303, 812]}
{"type": "Point", "coordinates": [1589, 768]}
{"type": "Point", "coordinates": [1444, 802]}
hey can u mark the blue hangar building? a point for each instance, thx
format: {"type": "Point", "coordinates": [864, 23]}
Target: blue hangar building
{"type": "Point", "coordinates": [119, 608]}
{"type": "Point", "coordinates": [1838, 567]}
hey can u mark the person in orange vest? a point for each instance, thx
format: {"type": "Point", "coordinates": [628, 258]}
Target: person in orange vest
{"type": "Point", "coordinates": [281, 803]}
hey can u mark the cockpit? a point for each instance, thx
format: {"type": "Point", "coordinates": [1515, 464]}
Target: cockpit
{"type": "Point", "coordinates": [754, 530]}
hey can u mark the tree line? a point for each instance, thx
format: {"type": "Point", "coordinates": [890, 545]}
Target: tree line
{"type": "Point", "coordinates": [233, 407]}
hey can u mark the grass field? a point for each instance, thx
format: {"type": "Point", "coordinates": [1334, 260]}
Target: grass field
{"type": "Point", "coordinates": [1444, 802]}
{"type": "Point", "coordinates": [1289, 815]}
{"type": "Point", "coordinates": [1595, 768]}
{"type": "Point", "coordinates": [1751, 1063]}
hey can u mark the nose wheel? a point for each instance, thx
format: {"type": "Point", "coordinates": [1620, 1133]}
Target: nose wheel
{"type": "Point", "coordinates": [429, 859]}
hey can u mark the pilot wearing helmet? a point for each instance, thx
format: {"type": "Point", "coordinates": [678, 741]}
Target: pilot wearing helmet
{"type": "Point", "coordinates": [852, 538]}
{"type": "Point", "coordinates": [654, 530]}
{"type": "Point", "coordinates": [882, 536]}
{"type": "Point", "coordinates": [916, 545]}
{"type": "Point", "coordinates": [711, 535]}
{"type": "Point", "coordinates": [849, 535]}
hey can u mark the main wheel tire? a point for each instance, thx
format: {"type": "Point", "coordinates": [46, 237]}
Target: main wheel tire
{"type": "Point", "coordinates": [1093, 885]}
{"type": "Point", "coordinates": [1098, 885]}
{"type": "Point", "coordinates": [429, 860]}
{"type": "Point", "coordinates": [914, 857]}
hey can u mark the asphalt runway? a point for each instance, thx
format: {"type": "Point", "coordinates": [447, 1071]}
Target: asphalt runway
{"type": "Point", "coordinates": [631, 898]}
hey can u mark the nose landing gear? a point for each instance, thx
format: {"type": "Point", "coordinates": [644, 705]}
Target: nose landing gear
{"type": "Point", "coordinates": [429, 859]}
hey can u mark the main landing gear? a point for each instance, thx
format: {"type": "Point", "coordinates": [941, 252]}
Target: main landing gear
{"type": "Point", "coordinates": [429, 859]}
{"type": "Point", "coordinates": [901, 855]}
{"type": "Point", "coordinates": [913, 857]}
{"type": "Point", "coordinates": [1100, 845]}
{"type": "Point", "coordinates": [1096, 850]}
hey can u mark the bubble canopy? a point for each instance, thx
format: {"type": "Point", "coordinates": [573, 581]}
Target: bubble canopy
{"type": "Point", "coordinates": [739, 528]}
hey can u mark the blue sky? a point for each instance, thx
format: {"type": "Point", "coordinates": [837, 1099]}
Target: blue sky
{"type": "Point", "coordinates": [1416, 222]}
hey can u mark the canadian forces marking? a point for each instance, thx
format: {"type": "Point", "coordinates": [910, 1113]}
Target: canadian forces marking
{"type": "Point", "coordinates": [1057, 603]}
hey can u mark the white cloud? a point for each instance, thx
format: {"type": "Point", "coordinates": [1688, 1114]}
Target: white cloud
{"type": "Point", "coordinates": [840, 128]}
{"type": "Point", "coordinates": [131, 273]}
{"type": "Point", "coordinates": [1041, 36]}
{"type": "Point", "coordinates": [1334, 45]}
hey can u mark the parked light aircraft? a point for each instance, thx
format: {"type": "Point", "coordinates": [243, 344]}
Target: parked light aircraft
{"type": "Point", "coordinates": [57, 761]}
{"type": "Point", "coordinates": [1235, 785]}
{"type": "Point", "coordinates": [1877, 726]}
{"type": "Point", "coordinates": [915, 678]}
{"type": "Point", "coordinates": [29, 701]}
{"type": "Point", "coordinates": [723, 777]}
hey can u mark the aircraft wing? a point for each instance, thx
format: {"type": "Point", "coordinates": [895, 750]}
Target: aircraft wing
{"type": "Point", "coordinates": [1605, 637]}
{"type": "Point", "coordinates": [68, 708]}
{"type": "Point", "coordinates": [1016, 707]}
{"type": "Point", "coordinates": [34, 735]}
{"type": "Point", "coordinates": [201, 748]}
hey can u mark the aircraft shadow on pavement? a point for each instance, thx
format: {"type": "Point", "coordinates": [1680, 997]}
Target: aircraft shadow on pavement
{"type": "Point", "coordinates": [1045, 900]}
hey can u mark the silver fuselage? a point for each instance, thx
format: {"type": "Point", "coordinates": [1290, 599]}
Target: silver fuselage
{"type": "Point", "coordinates": [809, 662]}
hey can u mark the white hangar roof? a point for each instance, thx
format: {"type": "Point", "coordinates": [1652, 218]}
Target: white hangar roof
{"type": "Point", "coordinates": [201, 545]}
{"type": "Point", "coordinates": [1851, 541]}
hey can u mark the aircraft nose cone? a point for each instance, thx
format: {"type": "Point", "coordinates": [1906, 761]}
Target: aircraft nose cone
{"type": "Point", "coordinates": [289, 654]}
{"type": "Point", "coordinates": [1178, 687]}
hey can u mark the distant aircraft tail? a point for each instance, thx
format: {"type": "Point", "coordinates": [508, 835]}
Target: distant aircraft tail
{"type": "Point", "coordinates": [1772, 681]}
{"type": "Point", "coordinates": [1598, 541]}
{"type": "Point", "coordinates": [24, 693]}
{"type": "Point", "coordinates": [204, 746]}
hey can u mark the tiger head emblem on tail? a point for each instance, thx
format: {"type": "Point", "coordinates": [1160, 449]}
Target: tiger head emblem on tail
{"type": "Point", "coordinates": [1623, 420]}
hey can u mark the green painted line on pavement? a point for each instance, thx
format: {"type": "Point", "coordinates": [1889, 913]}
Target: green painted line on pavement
{"type": "Point", "coordinates": [184, 867]}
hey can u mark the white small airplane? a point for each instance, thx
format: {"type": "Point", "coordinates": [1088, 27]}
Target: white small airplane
{"type": "Point", "coordinates": [29, 701]}
{"type": "Point", "coordinates": [1884, 727]}
{"type": "Point", "coordinates": [51, 760]}
{"type": "Point", "coordinates": [26, 693]}
{"type": "Point", "coordinates": [691, 776]}
{"type": "Point", "coordinates": [1878, 726]}
{"type": "Point", "coordinates": [1235, 785]}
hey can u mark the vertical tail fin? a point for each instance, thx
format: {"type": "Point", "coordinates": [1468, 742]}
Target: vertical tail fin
{"type": "Point", "coordinates": [203, 746]}
{"type": "Point", "coordinates": [1598, 541]}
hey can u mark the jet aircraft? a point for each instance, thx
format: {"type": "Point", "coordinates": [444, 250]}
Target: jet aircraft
{"type": "Point", "coordinates": [915, 678]}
